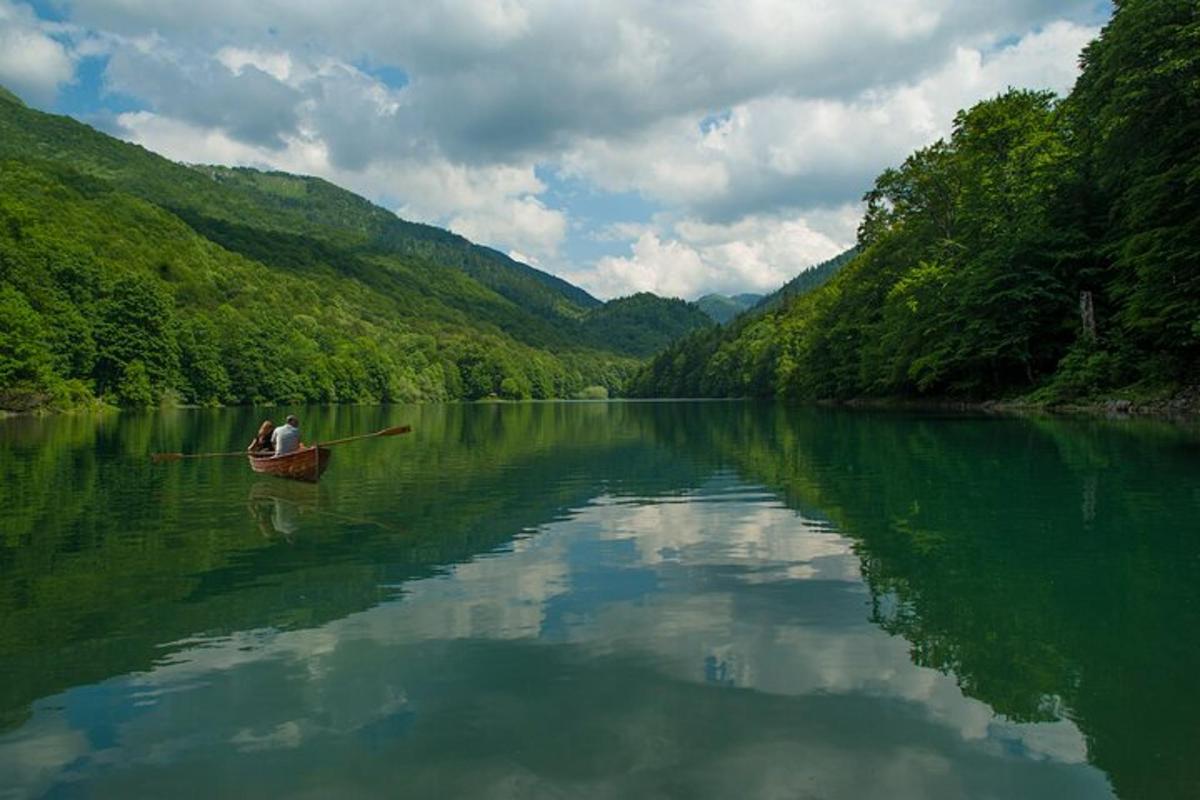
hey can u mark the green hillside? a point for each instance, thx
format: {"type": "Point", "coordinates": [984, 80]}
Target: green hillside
{"type": "Point", "coordinates": [7, 96]}
{"type": "Point", "coordinates": [642, 324]}
{"type": "Point", "coordinates": [812, 278]}
{"type": "Point", "coordinates": [1049, 249]}
{"type": "Point", "coordinates": [129, 277]}
{"type": "Point", "coordinates": [722, 308]}
{"type": "Point", "coordinates": [313, 204]}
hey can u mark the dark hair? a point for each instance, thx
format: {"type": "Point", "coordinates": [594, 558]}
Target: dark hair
{"type": "Point", "coordinates": [291, 420]}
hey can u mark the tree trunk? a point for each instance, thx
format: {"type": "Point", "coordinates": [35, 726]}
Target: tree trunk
{"type": "Point", "coordinates": [1087, 313]}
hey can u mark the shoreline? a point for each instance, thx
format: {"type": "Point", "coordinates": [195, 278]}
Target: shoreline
{"type": "Point", "coordinates": [1183, 405]}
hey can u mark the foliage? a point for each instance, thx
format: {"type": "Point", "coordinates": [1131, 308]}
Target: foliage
{"type": "Point", "coordinates": [1136, 111]}
{"type": "Point", "coordinates": [592, 393]}
{"type": "Point", "coordinates": [127, 277]}
{"type": "Point", "coordinates": [26, 360]}
{"type": "Point", "coordinates": [812, 278]}
{"type": "Point", "coordinates": [642, 324]}
{"type": "Point", "coordinates": [973, 254]}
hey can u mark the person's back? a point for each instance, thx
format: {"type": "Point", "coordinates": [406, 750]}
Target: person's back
{"type": "Point", "coordinates": [286, 438]}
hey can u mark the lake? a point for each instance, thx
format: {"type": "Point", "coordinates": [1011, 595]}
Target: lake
{"type": "Point", "coordinates": [603, 600]}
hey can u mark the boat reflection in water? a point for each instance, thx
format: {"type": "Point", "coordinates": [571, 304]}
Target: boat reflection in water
{"type": "Point", "coordinates": [284, 509]}
{"type": "Point", "coordinates": [278, 508]}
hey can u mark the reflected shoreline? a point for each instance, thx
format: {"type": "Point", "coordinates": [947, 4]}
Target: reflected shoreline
{"type": "Point", "coordinates": [1040, 562]}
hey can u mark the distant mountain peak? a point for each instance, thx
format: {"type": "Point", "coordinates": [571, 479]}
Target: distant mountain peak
{"type": "Point", "coordinates": [722, 308]}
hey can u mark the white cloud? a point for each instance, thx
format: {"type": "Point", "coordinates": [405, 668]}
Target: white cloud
{"type": "Point", "coordinates": [757, 116]}
{"type": "Point", "coordinates": [276, 64]}
{"type": "Point", "coordinates": [32, 63]}
{"type": "Point", "coordinates": [496, 205]}
{"type": "Point", "coordinates": [45, 747]}
{"type": "Point", "coordinates": [194, 144]}
{"type": "Point", "coordinates": [484, 69]}
{"type": "Point", "coordinates": [756, 254]}
{"type": "Point", "coordinates": [779, 151]}
{"type": "Point", "coordinates": [523, 222]}
{"type": "Point", "coordinates": [668, 268]}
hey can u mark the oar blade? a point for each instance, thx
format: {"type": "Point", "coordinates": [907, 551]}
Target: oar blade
{"type": "Point", "coordinates": [396, 431]}
{"type": "Point", "coordinates": [163, 458]}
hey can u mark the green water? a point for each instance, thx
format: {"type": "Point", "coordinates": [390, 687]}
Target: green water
{"type": "Point", "coordinates": [603, 600]}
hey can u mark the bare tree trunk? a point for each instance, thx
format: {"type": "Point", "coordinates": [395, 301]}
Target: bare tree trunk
{"type": "Point", "coordinates": [1087, 312]}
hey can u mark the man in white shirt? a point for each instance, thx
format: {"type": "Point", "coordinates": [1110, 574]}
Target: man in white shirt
{"type": "Point", "coordinates": [286, 438]}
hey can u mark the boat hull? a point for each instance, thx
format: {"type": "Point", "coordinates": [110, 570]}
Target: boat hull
{"type": "Point", "coordinates": [307, 464]}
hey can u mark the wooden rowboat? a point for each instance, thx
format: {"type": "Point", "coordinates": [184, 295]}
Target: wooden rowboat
{"type": "Point", "coordinates": [306, 464]}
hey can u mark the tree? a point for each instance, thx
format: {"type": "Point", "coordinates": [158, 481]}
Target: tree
{"type": "Point", "coordinates": [134, 388]}
{"type": "Point", "coordinates": [136, 324]}
{"type": "Point", "coordinates": [1136, 108]}
{"type": "Point", "coordinates": [207, 381]}
{"type": "Point", "coordinates": [26, 361]}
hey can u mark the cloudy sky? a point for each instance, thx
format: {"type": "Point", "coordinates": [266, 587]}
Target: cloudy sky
{"type": "Point", "coordinates": [627, 145]}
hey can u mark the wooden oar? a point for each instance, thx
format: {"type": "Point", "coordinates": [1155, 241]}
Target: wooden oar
{"type": "Point", "coordinates": [159, 458]}
{"type": "Point", "coordinates": [396, 431]}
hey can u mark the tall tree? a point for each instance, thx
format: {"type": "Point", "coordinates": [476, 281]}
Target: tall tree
{"type": "Point", "coordinates": [1136, 108]}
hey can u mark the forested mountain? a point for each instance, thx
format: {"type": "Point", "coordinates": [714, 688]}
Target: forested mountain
{"type": "Point", "coordinates": [317, 206]}
{"type": "Point", "coordinates": [642, 324]}
{"type": "Point", "coordinates": [812, 278]}
{"type": "Point", "coordinates": [722, 308]}
{"type": "Point", "coordinates": [129, 277]}
{"type": "Point", "coordinates": [1050, 248]}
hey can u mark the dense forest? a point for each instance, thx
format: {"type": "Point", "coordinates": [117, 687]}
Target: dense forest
{"type": "Point", "coordinates": [129, 279]}
{"type": "Point", "coordinates": [641, 324]}
{"type": "Point", "coordinates": [1050, 249]}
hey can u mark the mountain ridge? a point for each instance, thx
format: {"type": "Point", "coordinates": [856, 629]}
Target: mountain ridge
{"type": "Point", "coordinates": [807, 280]}
{"type": "Point", "coordinates": [723, 308]}
{"type": "Point", "coordinates": [146, 174]}
{"type": "Point", "coordinates": [210, 284]}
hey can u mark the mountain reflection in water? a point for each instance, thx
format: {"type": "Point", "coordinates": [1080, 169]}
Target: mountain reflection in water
{"type": "Point", "coordinates": [612, 599]}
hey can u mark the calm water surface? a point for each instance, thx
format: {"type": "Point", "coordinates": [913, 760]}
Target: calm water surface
{"type": "Point", "coordinates": [603, 600]}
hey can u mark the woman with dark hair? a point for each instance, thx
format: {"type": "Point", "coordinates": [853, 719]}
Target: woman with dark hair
{"type": "Point", "coordinates": [262, 442]}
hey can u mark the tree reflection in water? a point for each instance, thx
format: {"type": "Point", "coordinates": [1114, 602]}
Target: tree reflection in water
{"type": "Point", "coordinates": [1050, 567]}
